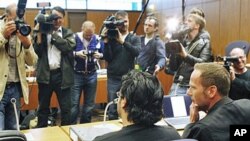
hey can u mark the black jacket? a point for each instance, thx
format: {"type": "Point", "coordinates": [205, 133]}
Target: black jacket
{"type": "Point", "coordinates": [215, 126]}
{"type": "Point", "coordinates": [120, 57]}
{"type": "Point", "coordinates": [141, 133]}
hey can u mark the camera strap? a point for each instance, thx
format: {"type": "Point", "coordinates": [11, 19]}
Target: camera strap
{"type": "Point", "coordinates": [8, 50]}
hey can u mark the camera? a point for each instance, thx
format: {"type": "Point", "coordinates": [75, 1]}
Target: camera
{"type": "Point", "coordinates": [228, 60]}
{"type": "Point", "coordinates": [111, 23]}
{"type": "Point", "coordinates": [181, 31]}
{"type": "Point", "coordinates": [45, 20]}
{"type": "Point", "coordinates": [23, 28]}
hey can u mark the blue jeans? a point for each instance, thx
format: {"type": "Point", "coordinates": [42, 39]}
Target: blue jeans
{"type": "Point", "coordinates": [87, 84]}
{"type": "Point", "coordinates": [176, 89]}
{"type": "Point", "coordinates": [7, 114]}
{"type": "Point", "coordinates": [114, 85]}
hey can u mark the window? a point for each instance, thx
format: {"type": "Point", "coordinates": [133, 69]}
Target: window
{"type": "Point", "coordinates": [130, 5]}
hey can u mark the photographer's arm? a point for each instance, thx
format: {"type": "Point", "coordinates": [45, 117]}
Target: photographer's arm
{"type": "Point", "coordinates": [204, 54]}
{"type": "Point", "coordinates": [242, 84]}
{"type": "Point", "coordinates": [65, 44]}
{"type": "Point", "coordinates": [107, 52]}
{"type": "Point", "coordinates": [160, 54]}
{"type": "Point", "coordinates": [134, 46]}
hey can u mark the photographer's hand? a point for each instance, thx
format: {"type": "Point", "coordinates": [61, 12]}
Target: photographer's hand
{"type": "Point", "coordinates": [183, 52]}
{"type": "Point", "coordinates": [98, 55]}
{"type": "Point", "coordinates": [157, 69]}
{"type": "Point", "coordinates": [232, 73]}
{"type": "Point", "coordinates": [9, 28]}
{"type": "Point", "coordinates": [81, 54]}
{"type": "Point", "coordinates": [38, 34]}
{"type": "Point", "coordinates": [25, 40]}
{"type": "Point", "coordinates": [119, 38]}
{"type": "Point", "coordinates": [104, 35]}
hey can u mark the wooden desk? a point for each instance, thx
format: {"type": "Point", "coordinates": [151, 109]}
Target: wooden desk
{"type": "Point", "coordinates": [54, 133]}
{"type": "Point", "coordinates": [118, 123]}
{"type": "Point", "coordinates": [115, 122]}
{"type": "Point", "coordinates": [101, 94]}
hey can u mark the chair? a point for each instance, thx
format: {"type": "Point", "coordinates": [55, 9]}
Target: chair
{"type": "Point", "coordinates": [12, 135]}
{"type": "Point", "coordinates": [240, 44]}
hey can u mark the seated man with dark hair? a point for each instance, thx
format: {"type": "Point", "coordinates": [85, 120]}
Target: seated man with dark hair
{"type": "Point", "coordinates": [140, 107]}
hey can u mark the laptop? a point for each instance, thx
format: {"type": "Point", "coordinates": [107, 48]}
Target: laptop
{"type": "Point", "coordinates": [176, 110]}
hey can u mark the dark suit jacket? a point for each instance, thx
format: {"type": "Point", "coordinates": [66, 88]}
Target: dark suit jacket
{"type": "Point", "coordinates": [141, 133]}
{"type": "Point", "coordinates": [216, 124]}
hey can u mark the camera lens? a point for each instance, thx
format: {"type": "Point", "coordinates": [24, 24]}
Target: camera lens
{"type": "Point", "coordinates": [25, 30]}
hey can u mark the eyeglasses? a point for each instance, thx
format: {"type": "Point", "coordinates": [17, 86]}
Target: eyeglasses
{"type": "Point", "coordinates": [118, 94]}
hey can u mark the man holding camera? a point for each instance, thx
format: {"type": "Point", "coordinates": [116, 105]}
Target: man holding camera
{"type": "Point", "coordinates": [239, 75]}
{"type": "Point", "coordinates": [16, 51]}
{"type": "Point", "coordinates": [197, 49]}
{"type": "Point", "coordinates": [88, 49]}
{"type": "Point", "coordinates": [120, 52]}
{"type": "Point", "coordinates": [55, 68]}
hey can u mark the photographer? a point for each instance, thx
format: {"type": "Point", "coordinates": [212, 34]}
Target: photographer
{"type": "Point", "coordinates": [16, 51]}
{"type": "Point", "coordinates": [55, 68]}
{"type": "Point", "coordinates": [197, 49]}
{"type": "Point", "coordinates": [88, 49]}
{"type": "Point", "coordinates": [120, 53]}
{"type": "Point", "coordinates": [240, 76]}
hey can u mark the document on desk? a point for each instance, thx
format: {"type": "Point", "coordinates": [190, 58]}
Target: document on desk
{"type": "Point", "coordinates": [89, 133]}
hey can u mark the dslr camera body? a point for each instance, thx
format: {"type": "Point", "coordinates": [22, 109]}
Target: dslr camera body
{"type": "Point", "coordinates": [23, 28]}
{"type": "Point", "coordinates": [111, 24]}
{"type": "Point", "coordinates": [45, 20]}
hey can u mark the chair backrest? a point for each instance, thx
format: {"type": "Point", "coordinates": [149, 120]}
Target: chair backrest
{"type": "Point", "coordinates": [240, 44]}
{"type": "Point", "coordinates": [12, 135]}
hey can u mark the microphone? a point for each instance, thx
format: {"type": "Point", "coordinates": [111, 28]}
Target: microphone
{"type": "Point", "coordinates": [177, 86]}
{"type": "Point", "coordinates": [106, 108]}
{"type": "Point", "coordinates": [13, 101]}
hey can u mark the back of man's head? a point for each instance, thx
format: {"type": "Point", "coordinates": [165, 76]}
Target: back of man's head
{"type": "Point", "coordinates": [144, 95]}
{"type": "Point", "coordinates": [214, 74]}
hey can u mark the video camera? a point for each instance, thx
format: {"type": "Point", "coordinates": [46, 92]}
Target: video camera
{"type": "Point", "coordinates": [45, 21]}
{"type": "Point", "coordinates": [228, 60]}
{"type": "Point", "coordinates": [23, 28]}
{"type": "Point", "coordinates": [111, 23]}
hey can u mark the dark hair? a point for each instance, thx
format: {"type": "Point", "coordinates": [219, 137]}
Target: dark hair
{"type": "Point", "coordinates": [144, 94]}
{"type": "Point", "coordinates": [59, 9]}
{"type": "Point", "coordinates": [121, 13]}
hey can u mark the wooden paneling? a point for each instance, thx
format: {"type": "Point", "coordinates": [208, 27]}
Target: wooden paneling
{"type": "Point", "coordinates": [226, 21]}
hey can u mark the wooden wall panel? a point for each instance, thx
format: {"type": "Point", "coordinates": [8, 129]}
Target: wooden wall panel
{"type": "Point", "coordinates": [229, 23]}
{"type": "Point", "coordinates": [226, 21]}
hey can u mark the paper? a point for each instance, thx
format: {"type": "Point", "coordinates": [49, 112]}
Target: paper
{"type": "Point", "coordinates": [178, 105]}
